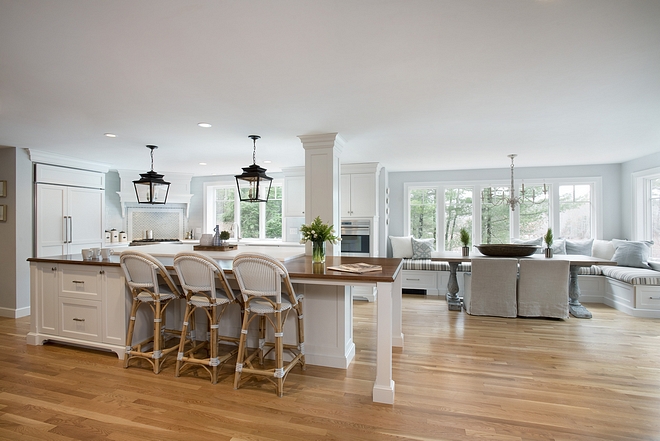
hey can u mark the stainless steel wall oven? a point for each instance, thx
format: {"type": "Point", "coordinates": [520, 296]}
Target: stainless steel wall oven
{"type": "Point", "coordinates": [355, 238]}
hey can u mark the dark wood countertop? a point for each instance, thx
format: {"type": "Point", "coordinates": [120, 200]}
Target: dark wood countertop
{"type": "Point", "coordinates": [299, 268]}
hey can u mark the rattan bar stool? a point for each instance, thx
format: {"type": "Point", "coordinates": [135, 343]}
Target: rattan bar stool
{"type": "Point", "coordinates": [260, 278]}
{"type": "Point", "coordinates": [198, 274]}
{"type": "Point", "coordinates": [142, 272]}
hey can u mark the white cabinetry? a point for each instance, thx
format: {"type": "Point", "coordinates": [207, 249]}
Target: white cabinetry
{"type": "Point", "coordinates": [294, 196]}
{"type": "Point", "coordinates": [68, 218]}
{"type": "Point", "coordinates": [80, 304]}
{"type": "Point", "coordinates": [359, 195]}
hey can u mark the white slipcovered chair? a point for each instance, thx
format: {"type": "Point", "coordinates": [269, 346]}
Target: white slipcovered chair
{"type": "Point", "coordinates": [490, 287]}
{"type": "Point", "coordinates": [150, 284]}
{"type": "Point", "coordinates": [261, 279]}
{"type": "Point", "coordinates": [206, 288]}
{"type": "Point", "coordinates": [543, 288]}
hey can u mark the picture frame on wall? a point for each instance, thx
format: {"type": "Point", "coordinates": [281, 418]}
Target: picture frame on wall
{"type": "Point", "coordinates": [3, 213]}
{"type": "Point", "coordinates": [3, 189]}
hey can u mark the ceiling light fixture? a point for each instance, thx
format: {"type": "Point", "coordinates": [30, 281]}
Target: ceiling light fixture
{"type": "Point", "coordinates": [204, 124]}
{"type": "Point", "coordinates": [151, 188]}
{"type": "Point", "coordinates": [253, 184]}
{"type": "Point", "coordinates": [110, 135]}
{"type": "Point", "coordinates": [500, 196]}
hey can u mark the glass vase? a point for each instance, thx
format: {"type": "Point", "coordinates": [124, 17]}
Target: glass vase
{"type": "Point", "coordinates": [318, 251]}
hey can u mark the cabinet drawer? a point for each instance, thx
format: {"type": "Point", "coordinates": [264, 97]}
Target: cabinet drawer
{"type": "Point", "coordinates": [648, 297]}
{"type": "Point", "coordinates": [419, 279]}
{"type": "Point", "coordinates": [80, 282]}
{"type": "Point", "coordinates": [80, 319]}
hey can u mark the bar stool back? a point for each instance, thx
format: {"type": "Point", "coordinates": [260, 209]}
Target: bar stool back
{"type": "Point", "coordinates": [142, 272]}
{"type": "Point", "coordinates": [260, 278]}
{"type": "Point", "coordinates": [198, 275]}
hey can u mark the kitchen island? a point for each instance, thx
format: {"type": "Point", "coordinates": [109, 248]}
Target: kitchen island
{"type": "Point", "coordinates": [86, 302]}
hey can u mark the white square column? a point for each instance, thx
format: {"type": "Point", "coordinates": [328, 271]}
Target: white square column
{"type": "Point", "coordinates": [323, 182]}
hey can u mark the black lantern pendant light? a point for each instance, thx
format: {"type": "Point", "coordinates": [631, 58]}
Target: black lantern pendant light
{"type": "Point", "coordinates": [151, 188]}
{"type": "Point", "coordinates": [253, 184]}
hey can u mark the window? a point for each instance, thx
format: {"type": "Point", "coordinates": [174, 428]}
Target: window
{"type": "Point", "coordinates": [566, 207]}
{"type": "Point", "coordinates": [256, 220]}
{"type": "Point", "coordinates": [647, 208]}
{"type": "Point", "coordinates": [423, 212]}
{"type": "Point", "coordinates": [575, 211]}
{"type": "Point", "coordinates": [458, 214]}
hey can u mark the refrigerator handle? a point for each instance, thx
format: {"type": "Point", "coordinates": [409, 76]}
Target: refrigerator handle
{"type": "Point", "coordinates": [70, 229]}
{"type": "Point", "coordinates": [65, 226]}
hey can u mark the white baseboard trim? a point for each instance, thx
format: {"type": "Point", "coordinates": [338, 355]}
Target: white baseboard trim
{"type": "Point", "coordinates": [15, 313]}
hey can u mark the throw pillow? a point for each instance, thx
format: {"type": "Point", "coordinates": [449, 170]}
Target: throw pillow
{"type": "Point", "coordinates": [631, 253]}
{"type": "Point", "coordinates": [654, 264]}
{"type": "Point", "coordinates": [579, 246]}
{"type": "Point", "coordinates": [603, 249]}
{"type": "Point", "coordinates": [401, 247]}
{"type": "Point", "coordinates": [422, 248]}
{"type": "Point", "coordinates": [559, 247]}
{"type": "Point", "coordinates": [538, 242]}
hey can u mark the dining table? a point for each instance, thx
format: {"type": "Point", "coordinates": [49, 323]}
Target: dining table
{"type": "Point", "coordinates": [576, 261]}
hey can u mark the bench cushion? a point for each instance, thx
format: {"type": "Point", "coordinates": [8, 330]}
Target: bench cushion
{"type": "Point", "coordinates": [593, 270]}
{"type": "Point", "coordinates": [432, 265]}
{"type": "Point", "coordinates": [634, 276]}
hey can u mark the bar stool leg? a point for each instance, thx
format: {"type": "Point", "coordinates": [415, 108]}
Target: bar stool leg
{"type": "Point", "coordinates": [131, 329]}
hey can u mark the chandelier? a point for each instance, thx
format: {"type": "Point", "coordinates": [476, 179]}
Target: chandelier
{"type": "Point", "coordinates": [253, 184]}
{"type": "Point", "coordinates": [500, 197]}
{"type": "Point", "coordinates": [151, 188]}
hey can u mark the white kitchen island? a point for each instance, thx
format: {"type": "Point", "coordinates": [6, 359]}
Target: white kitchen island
{"type": "Point", "coordinates": [87, 303]}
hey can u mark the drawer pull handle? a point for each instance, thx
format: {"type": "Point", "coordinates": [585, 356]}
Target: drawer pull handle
{"type": "Point", "coordinates": [78, 319]}
{"type": "Point", "coordinates": [654, 298]}
{"type": "Point", "coordinates": [78, 281]}
{"type": "Point", "coordinates": [416, 280]}
{"type": "Point", "coordinates": [53, 269]}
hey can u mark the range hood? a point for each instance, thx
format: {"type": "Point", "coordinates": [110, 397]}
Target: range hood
{"type": "Point", "coordinates": [179, 189]}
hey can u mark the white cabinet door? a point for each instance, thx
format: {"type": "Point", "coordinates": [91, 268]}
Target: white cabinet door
{"type": "Point", "coordinates": [52, 221]}
{"type": "Point", "coordinates": [85, 208]}
{"type": "Point", "coordinates": [358, 195]}
{"type": "Point", "coordinates": [294, 196]}
{"type": "Point", "coordinates": [116, 304]}
{"type": "Point", "coordinates": [47, 293]}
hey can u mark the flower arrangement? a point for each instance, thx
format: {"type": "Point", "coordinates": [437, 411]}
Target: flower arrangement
{"type": "Point", "coordinates": [317, 231]}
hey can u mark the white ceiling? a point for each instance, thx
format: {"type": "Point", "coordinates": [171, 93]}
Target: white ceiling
{"type": "Point", "coordinates": [412, 84]}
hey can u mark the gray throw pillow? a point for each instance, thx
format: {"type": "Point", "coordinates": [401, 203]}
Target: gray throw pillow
{"type": "Point", "coordinates": [582, 247]}
{"type": "Point", "coordinates": [422, 248]}
{"type": "Point", "coordinates": [632, 253]}
{"type": "Point", "coordinates": [538, 242]}
{"type": "Point", "coordinates": [559, 247]}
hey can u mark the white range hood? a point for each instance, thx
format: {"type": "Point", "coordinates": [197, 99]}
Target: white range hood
{"type": "Point", "coordinates": [179, 189]}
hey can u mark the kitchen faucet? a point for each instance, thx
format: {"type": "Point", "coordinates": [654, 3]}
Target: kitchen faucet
{"type": "Point", "coordinates": [237, 231]}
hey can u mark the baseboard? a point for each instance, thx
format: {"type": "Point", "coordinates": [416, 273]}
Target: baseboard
{"type": "Point", "coordinates": [15, 313]}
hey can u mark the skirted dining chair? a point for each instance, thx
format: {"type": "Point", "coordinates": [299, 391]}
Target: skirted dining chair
{"type": "Point", "coordinates": [543, 288]}
{"type": "Point", "coordinates": [490, 287]}
{"type": "Point", "coordinates": [206, 288]}
{"type": "Point", "coordinates": [261, 278]}
{"type": "Point", "coordinates": [150, 284]}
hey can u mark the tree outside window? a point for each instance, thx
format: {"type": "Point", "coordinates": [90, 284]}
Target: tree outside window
{"type": "Point", "coordinates": [495, 219]}
{"type": "Point", "coordinates": [458, 214]}
{"type": "Point", "coordinates": [423, 203]}
{"type": "Point", "coordinates": [655, 215]}
{"type": "Point", "coordinates": [257, 220]}
{"type": "Point", "coordinates": [224, 207]}
{"type": "Point", "coordinates": [575, 211]}
{"type": "Point", "coordinates": [534, 213]}
{"type": "Point", "coordinates": [274, 213]}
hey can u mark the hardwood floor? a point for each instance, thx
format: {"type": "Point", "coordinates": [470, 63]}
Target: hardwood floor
{"type": "Point", "coordinates": [459, 377]}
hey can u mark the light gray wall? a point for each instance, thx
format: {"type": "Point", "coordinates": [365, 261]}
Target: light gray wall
{"type": "Point", "coordinates": [610, 174]}
{"type": "Point", "coordinates": [16, 232]}
{"type": "Point", "coordinates": [627, 169]}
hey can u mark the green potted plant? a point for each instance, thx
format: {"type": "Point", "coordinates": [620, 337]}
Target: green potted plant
{"type": "Point", "coordinates": [224, 236]}
{"type": "Point", "coordinates": [318, 233]}
{"type": "Point", "coordinates": [465, 240]}
{"type": "Point", "coordinates": [548, 239]}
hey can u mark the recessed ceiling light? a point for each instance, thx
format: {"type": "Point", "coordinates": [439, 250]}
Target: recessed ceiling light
{"type": "Point", "coordinates": [204, 124]}
{"type": "Point", "coordinates": [110, 135]}
{"type": "Point", "coordinates": [202, 163]}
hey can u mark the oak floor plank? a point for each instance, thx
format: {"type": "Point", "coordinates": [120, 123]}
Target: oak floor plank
{"type": "Point", "coordinates": [459, 377]}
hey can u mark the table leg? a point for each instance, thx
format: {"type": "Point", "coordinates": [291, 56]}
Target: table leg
{"type": "Point", "coordinates": [574, 306]}
{"type": "Point", "coordinates": [453, 301]}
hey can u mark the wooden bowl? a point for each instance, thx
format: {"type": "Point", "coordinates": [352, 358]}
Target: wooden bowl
{"type": "Point", "coordinates": [507, 249]}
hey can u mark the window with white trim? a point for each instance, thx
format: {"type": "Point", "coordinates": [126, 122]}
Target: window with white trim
{"type": "Point", "coordinates": [647, 209]}
{"type": "Point", "coordinates": [257, 220]}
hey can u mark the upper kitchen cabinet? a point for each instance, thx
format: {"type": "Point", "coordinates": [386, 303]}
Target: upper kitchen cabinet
{"type": "Point", "coordinates": [294, 191]}
{"type": "Point", "coordinates": [359, 196]}
{"type": "Point", "coordinates": [70, 210]}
